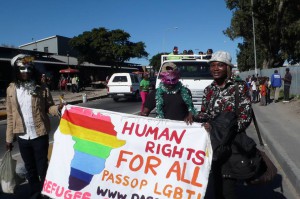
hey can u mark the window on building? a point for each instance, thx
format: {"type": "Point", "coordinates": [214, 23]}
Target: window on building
{"type": "Point", "coordinates": [34, 49]}
{"type": "Point", "coordinates": [46, 49]}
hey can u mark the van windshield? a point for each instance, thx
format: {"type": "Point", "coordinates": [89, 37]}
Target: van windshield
{"type": "Point", "coordinates": [192, 70]}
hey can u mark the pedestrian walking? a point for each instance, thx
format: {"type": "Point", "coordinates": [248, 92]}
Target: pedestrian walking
{"type": "Point", "coordinates": [287, 81]}
{"type": "Point", "coordinates": [263, 92]}
{"type": "Point", "coordinates": [254, 89]}
{"type": "Point", "coordinates": [74, 84]}
{"type": "Point", "coordinates": [144, 89]}
{"type": "Point", "coordinates": [27, 105]}
{"type": "Point", "coordinates": [276, 84]}
{"type": "Point", "coordinates": [268, 96]}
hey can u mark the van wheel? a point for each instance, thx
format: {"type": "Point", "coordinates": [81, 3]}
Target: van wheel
{"type": "Point", "coordinates": [116, 99]}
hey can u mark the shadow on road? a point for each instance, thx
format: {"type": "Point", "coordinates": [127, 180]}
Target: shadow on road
{"type": "Point", "coordinates": [265, 191]}
{"type": "Point", "coordinates": [270, 190]}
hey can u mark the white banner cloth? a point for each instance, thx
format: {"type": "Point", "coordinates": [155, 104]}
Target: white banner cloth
{"type": "Point", "coordinates": [103, 154]}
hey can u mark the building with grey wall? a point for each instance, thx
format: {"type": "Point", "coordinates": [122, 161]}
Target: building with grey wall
{"type": "Point", "coordinates": [57, 45]}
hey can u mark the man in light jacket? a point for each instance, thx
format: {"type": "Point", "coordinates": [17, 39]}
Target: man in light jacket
{"type": "Point", "coordinates": [27, 105]}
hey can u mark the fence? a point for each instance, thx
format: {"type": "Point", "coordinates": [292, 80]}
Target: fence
{"type": "Point", "coordinates": [294, 70]}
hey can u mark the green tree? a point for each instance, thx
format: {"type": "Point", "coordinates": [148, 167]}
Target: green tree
{"type": "Point", "coordinates": [103, 46]}
{"type": "Point", "coordinates": [277, 27]}
{"type": "Point", "coordinates": [155, 61]}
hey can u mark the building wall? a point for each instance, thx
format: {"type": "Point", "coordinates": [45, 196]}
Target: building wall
{"type": "Point", "coordinates": [58, 45]}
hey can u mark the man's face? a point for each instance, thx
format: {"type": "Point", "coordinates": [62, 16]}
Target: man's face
{"type": "Point", "coordinates": [175, 51]}
{"type": "Point", "coordinates": [25, 72]}
{"type": "Point", "coordinates": [218, 70]}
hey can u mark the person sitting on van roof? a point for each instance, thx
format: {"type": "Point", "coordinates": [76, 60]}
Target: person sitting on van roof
{"type": "Point", "coordinates": [175, 52]}
{"type": "Point", "coordinates": [171, 99]}
{"type": "Point", "coordinates": [209, 53]}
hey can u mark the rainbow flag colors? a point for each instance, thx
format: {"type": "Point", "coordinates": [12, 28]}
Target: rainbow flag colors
{"type": "Point", "coordinates": [94, 137]}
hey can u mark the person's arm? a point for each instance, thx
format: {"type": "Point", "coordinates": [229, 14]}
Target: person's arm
{"type": "Point", "coordinates": [244, 108]}
{"type": "Point", "coordinates": [51, 108]}
{"type": "Point", "coordinates": [141, 85]}
{"type": "Point", "coordinates": [204, 114]}
{"type": "Point", "coordinates": [288, 78]}
{"type": "Point", "coordinates": [145, 112]}
{"type": "Point", "coordinates": [189, 119]}
{"type": "Point", "coordinates": [9, 121]}
{"type": "Point", "coordinates": [272, 81]}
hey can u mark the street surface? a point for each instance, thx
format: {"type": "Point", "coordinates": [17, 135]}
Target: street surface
{"type": "Point", "coordinates": [279, 189]}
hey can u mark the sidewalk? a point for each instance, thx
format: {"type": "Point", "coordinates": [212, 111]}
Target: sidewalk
{"type": "Point", "coordinates": [69, 97]}
{"type": "Point", "coordinates": [279, 124]}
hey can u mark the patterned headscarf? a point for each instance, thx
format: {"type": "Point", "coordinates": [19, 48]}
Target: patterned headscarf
{"type": "Point", "coordinates": [170, 78]}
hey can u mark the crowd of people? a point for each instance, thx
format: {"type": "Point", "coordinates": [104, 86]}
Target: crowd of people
{"type": "Point", "coordinates": [261, 87]}
{"type": "Point", "coordinates": [29, 122]}
{"type": "Point", "coordinates": [70, 83]}
{"type": "Point", "coordinates": [175, 52]}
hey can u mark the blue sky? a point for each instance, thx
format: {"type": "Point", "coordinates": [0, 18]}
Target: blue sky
{"type": "Point", "coordinates": [199, 22]}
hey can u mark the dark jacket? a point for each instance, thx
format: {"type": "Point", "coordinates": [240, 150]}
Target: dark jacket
{"type": "Point", "coordinates": [233, 151]}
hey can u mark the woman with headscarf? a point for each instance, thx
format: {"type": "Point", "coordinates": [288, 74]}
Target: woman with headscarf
{"type": "Point", "coordinates": [171, 99]}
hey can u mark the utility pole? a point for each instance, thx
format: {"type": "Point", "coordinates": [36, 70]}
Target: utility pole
{"type": "Point", "coordinates": [254, 46]}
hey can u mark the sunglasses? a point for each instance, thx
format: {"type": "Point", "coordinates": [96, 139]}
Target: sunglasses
{"type": "Point", "coordinates": [25, 69]}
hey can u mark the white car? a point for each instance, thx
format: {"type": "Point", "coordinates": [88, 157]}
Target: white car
{"type": "Point", "coordinates": [124, 85]}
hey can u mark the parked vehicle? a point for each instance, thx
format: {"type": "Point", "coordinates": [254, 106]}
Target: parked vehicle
{"type": "Point", "coordinates": [194, 74]}
{"type": "Point", "coordinates": [124, 85]}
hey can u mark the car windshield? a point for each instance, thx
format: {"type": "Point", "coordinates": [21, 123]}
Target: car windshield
{"type": "Point", "coordinates": [194, 70]}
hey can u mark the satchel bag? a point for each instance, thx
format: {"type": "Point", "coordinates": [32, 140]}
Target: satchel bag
{"type": "Point", "coordinates": [223, 131]}
{"type": "Point", "coordinates": [246, 161]}
{"type": "Point", "coordinates": [269, 171]}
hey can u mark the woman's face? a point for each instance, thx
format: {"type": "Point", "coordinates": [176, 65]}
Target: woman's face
{"type": "Point", "coordinates": [218, 70]}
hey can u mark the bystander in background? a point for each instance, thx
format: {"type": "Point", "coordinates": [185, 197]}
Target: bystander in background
{"type": "Point", "coordinates": [276, 84]}
{"type": "Point", "coordinates": [287, 81]}
{"type": "Point", "coordinates": [144, 89]}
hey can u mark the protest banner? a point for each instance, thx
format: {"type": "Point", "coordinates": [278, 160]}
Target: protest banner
{"type": "Point", "coordinates": [104, 154]}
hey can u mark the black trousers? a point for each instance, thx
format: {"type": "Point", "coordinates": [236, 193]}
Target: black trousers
{"type": "Point", "coordinates": [286, 92]}
{"type": "Point", "coordinates": [219, 187]}
{"type": "Point", "coordinates": [35, 156]}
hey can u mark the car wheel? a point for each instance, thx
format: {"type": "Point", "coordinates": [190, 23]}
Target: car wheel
{"type": "Point", "coordinates": [116, 99]}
